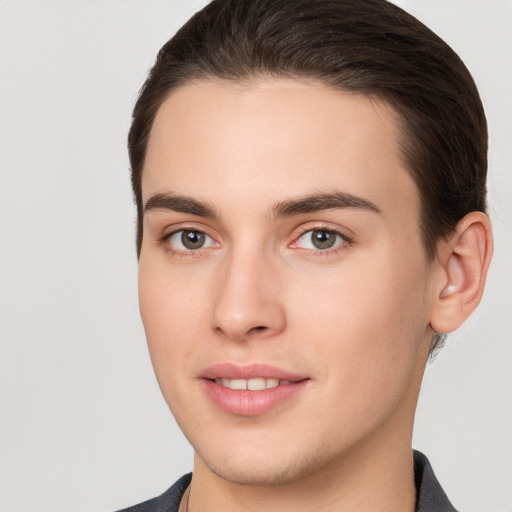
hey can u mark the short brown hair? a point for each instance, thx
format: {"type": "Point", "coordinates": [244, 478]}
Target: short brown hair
{"type": "Point", "coordinates": [369, 47]}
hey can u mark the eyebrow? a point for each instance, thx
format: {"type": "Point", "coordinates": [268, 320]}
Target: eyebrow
{"type": "Point", "coordinates": [322, 201]}
{"type": "Point", "coordinates": [307, 204]}
{"type": "Point", "coordinates": [180, 204]}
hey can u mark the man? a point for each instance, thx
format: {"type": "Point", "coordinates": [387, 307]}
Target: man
{"type": "Point", "coordinates": [310, 184]}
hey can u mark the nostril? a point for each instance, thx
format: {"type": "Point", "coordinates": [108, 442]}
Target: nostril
{"type": "Point", "coordinates": [258, 328]}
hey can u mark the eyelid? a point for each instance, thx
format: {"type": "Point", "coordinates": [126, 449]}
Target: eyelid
{"type": "Point", "coordinates": [187, 226]}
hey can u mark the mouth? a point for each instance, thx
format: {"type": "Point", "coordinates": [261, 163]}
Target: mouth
{"type": "Point", "coordinates": [254, 384]}
{"type": "Point", "coordinates": [251, 390]}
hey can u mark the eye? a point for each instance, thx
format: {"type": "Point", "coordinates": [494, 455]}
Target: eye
{"type": "Point", "coordinates": [320, 239]}
{"type": "Point", "coordinates": [190, 240]}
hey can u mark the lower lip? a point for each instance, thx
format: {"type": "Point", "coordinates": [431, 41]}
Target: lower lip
{"type": "Point", "coordinates": [251, 403]}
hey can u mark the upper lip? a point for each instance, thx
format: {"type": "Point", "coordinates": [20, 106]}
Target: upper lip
{"type": "Point", "coordinates": [252, 371]}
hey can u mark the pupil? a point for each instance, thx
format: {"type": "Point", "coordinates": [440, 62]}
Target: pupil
{"type": "Point", "coordinates": [323, 239]}
{"type": "Point", "coordinates": [192, 239]}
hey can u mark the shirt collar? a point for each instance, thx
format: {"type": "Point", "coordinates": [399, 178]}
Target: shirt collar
{"type": "Point", "coordinates": [430, 496]}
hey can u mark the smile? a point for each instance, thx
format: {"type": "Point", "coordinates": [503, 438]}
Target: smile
{"type": "Point", "coordinates": [251, 390]}
{"type": "Point", "coordinates": [255, 384]}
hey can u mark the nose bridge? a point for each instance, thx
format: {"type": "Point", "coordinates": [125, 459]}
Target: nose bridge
{"type": "Point", "coordinates": [247, 302]}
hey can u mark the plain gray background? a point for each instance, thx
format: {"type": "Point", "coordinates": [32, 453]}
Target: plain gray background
{"type": "Point", "coordinates": [83, 426]}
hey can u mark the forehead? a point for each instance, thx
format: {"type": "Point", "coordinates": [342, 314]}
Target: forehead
{"type": "Point", "coordinates": [222, 140]}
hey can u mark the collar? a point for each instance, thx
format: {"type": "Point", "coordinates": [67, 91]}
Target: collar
{"type": "Point", "coordinates": [430, 496]}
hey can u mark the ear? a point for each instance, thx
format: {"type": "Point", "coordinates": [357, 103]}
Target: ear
{"type": "Point", "coordinates": [463, 261]}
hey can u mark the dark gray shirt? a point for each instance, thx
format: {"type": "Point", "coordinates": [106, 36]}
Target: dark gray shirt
{"type": "Point", "coordinates": [430, 496]}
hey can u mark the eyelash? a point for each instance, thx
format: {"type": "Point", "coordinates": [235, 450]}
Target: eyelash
{"type": "Point", "coordinates": [164, 241]}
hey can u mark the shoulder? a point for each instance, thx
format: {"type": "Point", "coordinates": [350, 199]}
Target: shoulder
{"type": "Point", "coordinates": [169, 501]}
{"type": "Point", "coordinates": [430, 496]}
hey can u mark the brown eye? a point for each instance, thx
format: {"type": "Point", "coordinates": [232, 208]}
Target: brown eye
{"type": "Point", "coordinates": [190, 240]}
{"type": "Point", "coordinates": [321, 239]}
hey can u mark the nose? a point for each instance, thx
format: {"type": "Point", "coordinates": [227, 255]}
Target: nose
{"type": "Point", "coordinates": [248, 302]}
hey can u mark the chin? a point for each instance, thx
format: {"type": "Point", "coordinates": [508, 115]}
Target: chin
{"type": "Point", "coordinates": [246, 471]}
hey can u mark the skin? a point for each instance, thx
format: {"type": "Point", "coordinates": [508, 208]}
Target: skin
{"type": "Point", "coordinates": [354, 318]}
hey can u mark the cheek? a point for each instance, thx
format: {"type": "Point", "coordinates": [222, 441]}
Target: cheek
{"type": "Point", "coordinates": [174, 314]}
{"type": "Point", "coordinates": [366, 324]}
{"type": "Point", "coordinates": [364, 297]}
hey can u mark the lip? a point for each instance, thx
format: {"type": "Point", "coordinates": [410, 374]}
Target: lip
{"type": "Point", "coordinates": [250, 403]}
{"type": "Point", "coordinates": [232, 371]}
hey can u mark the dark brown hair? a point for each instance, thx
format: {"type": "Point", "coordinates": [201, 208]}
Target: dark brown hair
{"type": "Point", "coordinates": [369, 47]}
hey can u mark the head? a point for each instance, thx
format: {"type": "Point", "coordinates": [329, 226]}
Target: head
{"type": "Point", "coordinates": [363, 82]}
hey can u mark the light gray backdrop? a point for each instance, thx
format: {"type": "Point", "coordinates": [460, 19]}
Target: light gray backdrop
{"type": "Point", "coordinates": [83, 426]}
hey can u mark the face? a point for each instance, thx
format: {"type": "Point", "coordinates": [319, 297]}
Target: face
{"type": "Point", "coordinates": [284, 288]}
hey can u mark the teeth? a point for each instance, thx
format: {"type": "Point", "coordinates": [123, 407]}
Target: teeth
{"type": "Point", "coordinates": [256, 384]}
{"type": "Point", "coordinates": [272, 383]}
{"type": "Point", "coordinates": [238, 384]}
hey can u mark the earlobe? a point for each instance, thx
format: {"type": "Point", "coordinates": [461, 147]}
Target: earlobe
{"type": "Point", "coordinates": [464, 260]}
